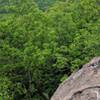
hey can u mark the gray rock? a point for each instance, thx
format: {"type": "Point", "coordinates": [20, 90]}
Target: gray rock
{"type": "Point", "coordinates": [82, 85]}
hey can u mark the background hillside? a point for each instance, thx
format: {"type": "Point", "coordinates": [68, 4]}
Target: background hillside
{"type": "Point", "coordinates": [42, 42]}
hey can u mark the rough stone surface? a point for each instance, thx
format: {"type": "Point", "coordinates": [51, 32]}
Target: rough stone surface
{"type": "Point", "coordinates": [82, 85]}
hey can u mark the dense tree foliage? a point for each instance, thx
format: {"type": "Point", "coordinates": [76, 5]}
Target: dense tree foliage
{"type": "Point", "coordinates": [45, 4]}
{"type": "Point", "coordinates": [41, 48]}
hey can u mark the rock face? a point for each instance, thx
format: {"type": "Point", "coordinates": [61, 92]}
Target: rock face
{"type": "Point", "coordinates": [82, 85]}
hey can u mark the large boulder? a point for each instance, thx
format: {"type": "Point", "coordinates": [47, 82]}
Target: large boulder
{"type": "Point", "coordinates": [82, 85]}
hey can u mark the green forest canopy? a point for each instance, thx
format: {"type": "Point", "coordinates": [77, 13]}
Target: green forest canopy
{"type": "Point", "coordinates": [42, 42]}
